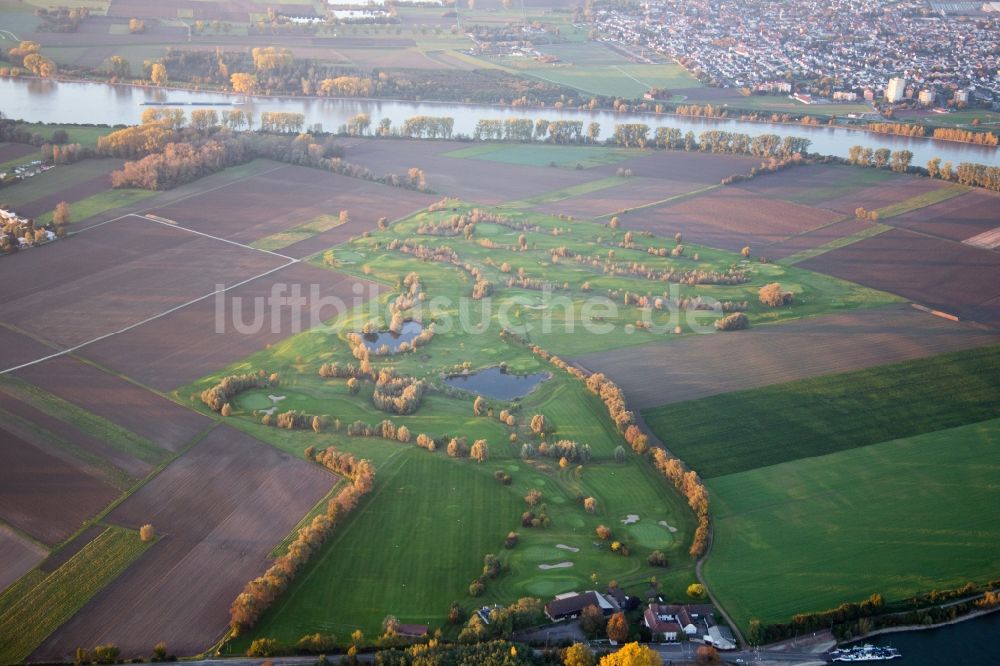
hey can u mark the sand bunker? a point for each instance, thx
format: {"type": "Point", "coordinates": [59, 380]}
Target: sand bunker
{"type": "Point", "coordinates": [561, 565]}
{"type": "Point", "coordinates": [668, 526]}
{"type": "Point", "coordinates": [571, 549]}
{"type": "Point", "coordinates": [630, 518]}
{"type": "Point", "coordinates": [275, 399]}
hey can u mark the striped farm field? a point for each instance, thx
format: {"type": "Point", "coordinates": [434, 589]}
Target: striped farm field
{"type": "Point", "coordinates": [40, 610]}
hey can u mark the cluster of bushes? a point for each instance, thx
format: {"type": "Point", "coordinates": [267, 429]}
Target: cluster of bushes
{"type": "Point", "coordinates": [397, 395]}
{"type": "Point", "coordinates": [736, 321]}
{"type": "Point", "coordinates": [773, 165]}
{"type": "Point", "coordinates": [258, 595]}
{"type": "Point", "coordinates": [349, 371]}
{"type": "Point", "coordinates": [218, 396]}
{"type": "Point", "coordinates": [773, 296]}
{"type": "Point", "coordinates": [571, 451]}
{"type": "Point", "coordinates": [731, 276]}
{"type": "Point", "coordinates": [492, 653]}
{"type": "Point", "coordinates": [689, 484]}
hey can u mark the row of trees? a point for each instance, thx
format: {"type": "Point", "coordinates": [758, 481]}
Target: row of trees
{"type": "Point", "coordinates": [966, 136]}
{"type": "Point", "coordinates": [218, 396]}
{"type": "Point", "coordinates": [258, 595]}
{"type": "Point", "coordinates": [689, 484]}
{"type": "Point", "coordinates": [880, 158]}
{"type": "Point", "coordinates": [564, 449]}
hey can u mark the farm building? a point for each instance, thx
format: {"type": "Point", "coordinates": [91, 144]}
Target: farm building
{"type": "Point", "coordinates": [569, 606]}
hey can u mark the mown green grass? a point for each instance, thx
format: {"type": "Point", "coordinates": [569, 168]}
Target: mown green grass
{"type": "Point", "coordinates": [629, 81]}
{"type": "Point", "coordinates": [409, 550]}
{"type": "Point", "coordinates": [100, 203]}
{"type": "Point", "coordinates": [897, 518]}
{"type": "Point", "coordinates": [735, 432]}
{"type": "Point", "coordinates": [84, 135]}
{"type": "Point", "coordinates": [300, 232]}
{"type": "Point", "coordinates": [546, 154]}
{"type": "Point", "coordinates": [922, 201]}
{"type": "Point", "coordinates": [37, 613]}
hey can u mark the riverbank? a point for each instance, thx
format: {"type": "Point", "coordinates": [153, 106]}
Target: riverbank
{"type": "Point", "coordinates": [923, 627]}
{"type": "Point", "coordinates": [609, 116]}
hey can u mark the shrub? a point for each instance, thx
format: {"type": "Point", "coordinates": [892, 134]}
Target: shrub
{"type": "Point", "coordinates": [733, 322]}
{"type": "Point", "coordinates": [772, 296]}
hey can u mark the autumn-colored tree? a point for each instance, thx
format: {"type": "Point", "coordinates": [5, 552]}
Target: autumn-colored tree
{"type": "Point", "coordinates": [603, 532]}
{"type": "Point", "coordinates": [745, 252]}
{"type": "Point", "coordinates": [614, 222]}
{"type": "Point", "coordinates": [578, 654]}
{"type": "Point", "coordinates": [533, 497]}
{"type": "Point", "coordinates": [158, 74]}
{"type": "Point", "coordinates": [657, 559]}
{"type": "Point", "coordinates": [706, 654]}
{"type": "Point", "coordinates": [618, 628]}
{"type": "Point", "coordinates": [773, 296]}
{"type": "Point", "coordinates": [632, 654]}
{"type": "Point", "coordinates": [696, 590]}
{"type": "Point", "coordinates": [538, 424]}
{"type": "Point", "coordinates": [353, 385]}
{"type": "Point", "coordinates": [592, 621]}
{"type": "Point", "coordinates": [479, 406]}
{"type": "Point", "coordinates": [590, 505]}
{"type": "Point", "coordinates": [61, 216]}
{"type": "Point", "coordinates": [243, 83]}
{"type": "Point", "coordinates": [390, 625]}
{"type": "Point", "coordinates": [344, 217]}
{"type": "Point", "coordinates": [227, 410]}
{"type": "Point", "coordinates": [136, 26]}
{"type": "Point", "coordinates": [118, 67]}
{"type": "Point", "coordinates": [146, 532]}
{"type": "Point", "coordinates": [160, 651]}
{"type": "Point", "coordinates": [480, 450]}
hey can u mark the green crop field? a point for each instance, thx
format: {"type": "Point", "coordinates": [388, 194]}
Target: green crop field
{"type": "Point", "coordinates": [823, 415]}
{"type": "Point", "coordinates": [629, 81]}
{"type": "Point", "coordinates": [547, 154]}
{"type": "Point", "coordinates": [84, 135]}
{"type": "Point", "coordinates": [898, 518]}
{"type": "Point", "coordinates": [100, 203]}
{"type": "Point", "coordinates": [39, 611]}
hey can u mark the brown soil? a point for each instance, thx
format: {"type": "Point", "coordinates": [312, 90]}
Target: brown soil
{"type": "Point", "coordinates": [219, 510]}
{"type": "Point", "coordinates": [17, 556]}
{"type": "Point", "coordinates": [109, 277]}
{"type": "Point", "coordinates": [729, 218]}
{"type": "Point", "coordinates": [944, 275]}
{"type": "Point", "coordinates": [47, 496]}
{"type": "Point", "coordinates": [160, 353]}
{"type": "Point", "coordinates": [703, 365]}
{"type": "Point", "coordinates": [126, 404]}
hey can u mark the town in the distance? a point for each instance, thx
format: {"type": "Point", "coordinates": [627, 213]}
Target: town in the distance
{"type": "Point", "coordinates": [499, 332]}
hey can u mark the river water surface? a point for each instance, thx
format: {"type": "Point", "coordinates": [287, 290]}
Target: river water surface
{"type": "Point", "coordinates": [101, 103]}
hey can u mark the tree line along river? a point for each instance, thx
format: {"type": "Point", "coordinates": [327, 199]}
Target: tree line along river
{"type": "Point", "coordinates": [47, 101]}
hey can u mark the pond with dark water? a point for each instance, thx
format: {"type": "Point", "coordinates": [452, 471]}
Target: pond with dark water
{"type": "Point", "coordinates": [497, 383]}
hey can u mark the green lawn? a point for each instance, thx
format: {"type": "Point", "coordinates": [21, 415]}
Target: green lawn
{"type": "Point", "coordinates": [898, 518]}
{"type": "Point", "coordinates": [39, 611]}
{"type": "Point", "coordinates": [100, 203]}
{"type": "Point", "coordinates": [85, 135]}
{"type": "Point", "coordinates": [410, 550]}
{"type": "Point", "coordinates": [744, 430]}
{"type": "Point", "coordinates": [629, 81]}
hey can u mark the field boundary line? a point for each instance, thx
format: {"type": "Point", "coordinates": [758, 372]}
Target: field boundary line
{"type": "Point", "coordinates": [641, 83]}
{"type": "Point", "coordinates": [877, 230]}
{"type": "Point", "coordinates": [74, 348]}
{"type": "Point", "coordinates": [653, 204]}
{"type": "Point", "coordinates": [174, 225]}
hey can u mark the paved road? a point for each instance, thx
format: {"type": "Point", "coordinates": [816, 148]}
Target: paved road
{"type": "Point", "coordinates": [682, 652]}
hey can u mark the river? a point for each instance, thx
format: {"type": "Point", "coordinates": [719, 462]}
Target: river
{"type": "Point", "coordinates": [965, 643]}
{"type": "Point", "coordinates": [99, 103]}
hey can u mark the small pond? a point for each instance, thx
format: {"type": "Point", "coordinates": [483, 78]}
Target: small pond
{"type": "Point", "coordinates": [374, 341]}
{"type": "Point", "coordinates": [496, 383]}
